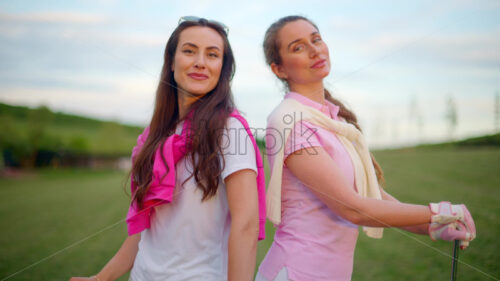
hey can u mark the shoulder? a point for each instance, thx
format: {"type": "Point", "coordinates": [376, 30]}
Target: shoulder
{"type": "Point", "coordinates": [277, 113]}
{"type": "Point", "coordinates": [237, 132]}
{"type": "Point", "coordinates": [236, 119]}
{"type": "Point", "coordinates": [284, 114]}
{"type": "Point", "coordinates": [234, 122]}
{"type": "Point", "coordinates": [238, 151]}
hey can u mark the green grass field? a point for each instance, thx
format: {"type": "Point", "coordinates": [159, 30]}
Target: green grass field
{"type": "Point", "coordinates": [46, 216]}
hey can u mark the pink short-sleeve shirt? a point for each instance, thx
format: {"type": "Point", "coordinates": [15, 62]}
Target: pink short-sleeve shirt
{"type": "Point", "coordinates": [312, 241]}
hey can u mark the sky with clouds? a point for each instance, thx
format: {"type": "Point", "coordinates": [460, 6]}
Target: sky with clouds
{"type": "Point", "coordinates": [395, 63]}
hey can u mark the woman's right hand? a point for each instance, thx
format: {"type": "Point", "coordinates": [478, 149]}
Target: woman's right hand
{"type": "Point", "coordinates": [451, 222]}
{"type": "Point", "coordinates": [120, 264]}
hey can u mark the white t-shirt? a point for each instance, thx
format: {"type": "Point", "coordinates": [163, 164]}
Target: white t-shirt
{"type": "Point", "coordinates": [188, 239]}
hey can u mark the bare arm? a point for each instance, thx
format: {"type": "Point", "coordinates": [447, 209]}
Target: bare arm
{"type": "Point", "coordinates": [317, 170]}
{"type": "Point", "coordinates": [122, 261]}
{"type": "Point", "coordinates": [417, 229]}
{"type": "Point", "coordinates": [243, 204]}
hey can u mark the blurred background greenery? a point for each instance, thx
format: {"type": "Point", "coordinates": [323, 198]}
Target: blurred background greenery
{"type": "Point", "coordinates": [38, 137]}
{"type": "Point", "coordinates": [64, 184]}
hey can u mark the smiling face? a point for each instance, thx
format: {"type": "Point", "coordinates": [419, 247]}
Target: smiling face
{"type": "Point", "coordinates": [304, 55]}
{"type": "Point", "coordinates": [198, 60]}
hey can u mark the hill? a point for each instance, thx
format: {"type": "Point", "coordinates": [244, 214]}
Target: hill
{"type": "Point", "coordinates": [33, 137]}
{"type": "Point", "coordinates": [36, 137]}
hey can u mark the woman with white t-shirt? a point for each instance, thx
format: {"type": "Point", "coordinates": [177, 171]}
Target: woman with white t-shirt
{"type": "Point", "coordinates": [197, 178]}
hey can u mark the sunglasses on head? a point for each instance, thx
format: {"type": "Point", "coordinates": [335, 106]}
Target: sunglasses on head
{"type": "Point", "coordinates": [196, 19]}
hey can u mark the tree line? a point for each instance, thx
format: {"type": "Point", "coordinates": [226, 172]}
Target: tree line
{"type": "Point", "coordinates": [40, 137]}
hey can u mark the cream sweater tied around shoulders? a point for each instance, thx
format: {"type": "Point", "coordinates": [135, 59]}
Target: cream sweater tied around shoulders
{"type": "Point", "coordinates": [352, 139]}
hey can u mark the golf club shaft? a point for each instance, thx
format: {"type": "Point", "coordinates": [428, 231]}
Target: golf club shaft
{"type": "Point", "coordinates": [455, 260]}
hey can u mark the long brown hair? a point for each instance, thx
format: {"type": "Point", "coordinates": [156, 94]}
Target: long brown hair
{"type": "Point", "coordinates": [212, 112]}
{"type": "Point", "coordinates": [271, 47]}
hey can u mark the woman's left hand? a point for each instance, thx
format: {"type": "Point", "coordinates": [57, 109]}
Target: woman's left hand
{"type": "Point", "coordinates": [451, 222]}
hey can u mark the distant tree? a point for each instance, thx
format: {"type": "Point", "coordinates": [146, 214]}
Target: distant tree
{"type": "Point", "coordinates": [38, 121]}
{"type": "Point", "coordinates": [497, 112]}
{"type": "Point", "coordinates": [395, 129]}
{"type": "Point", "coordinates": [14, 145]}
{"type": "Point", "coordinates": [379, 127]}
{"type": "Point", "coordinates": [451, 116]}
{"type": "Point", "coordinates": [78, 144]}
{"type": "Point", "coordinates": [110, 139]}
{"type": "Point", "coordinates": [416, 119]}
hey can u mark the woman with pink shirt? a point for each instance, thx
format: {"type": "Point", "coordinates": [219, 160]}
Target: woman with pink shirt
{"type": "Point", "coordinates": [320, 205]}
{"type": "Point", "coordinates": [197, 180]}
